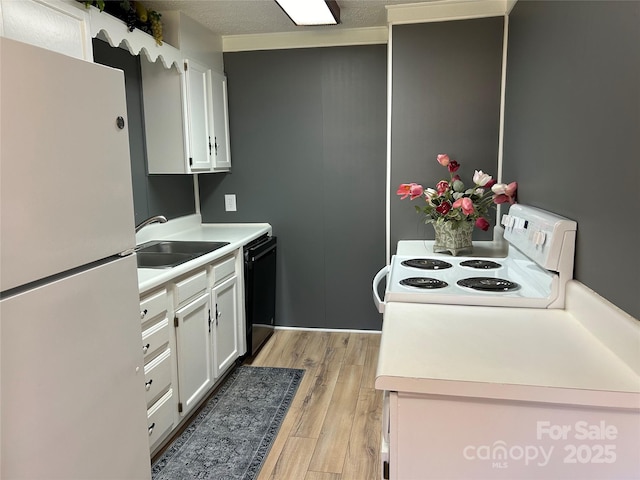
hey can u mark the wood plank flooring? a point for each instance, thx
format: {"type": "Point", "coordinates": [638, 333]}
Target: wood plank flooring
{"type": "Point", "coordinates": [332, 430]}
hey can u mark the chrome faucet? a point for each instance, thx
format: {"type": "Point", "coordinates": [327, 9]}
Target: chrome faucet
{"type": "Point", "coordinates": [155, 219]}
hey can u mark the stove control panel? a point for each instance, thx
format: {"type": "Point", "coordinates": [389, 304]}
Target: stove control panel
{"type": "Point", "coordinates": [545, 237]}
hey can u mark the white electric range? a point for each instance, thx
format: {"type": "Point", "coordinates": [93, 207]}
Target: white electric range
{"type": "Point", "coordinates": [533, 274]}
{"type": "Point", "coordinates": [539, 378]}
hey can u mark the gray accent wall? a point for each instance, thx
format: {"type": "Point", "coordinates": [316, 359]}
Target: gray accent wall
{"type": "Point", "coordinates": [446, 99]}
{"type": "Point", "coordinates": [572, 130]}
{"type": "Point", "coordinates": [308, 146]}
{"type": "Point", "coordinates": [168, 195]}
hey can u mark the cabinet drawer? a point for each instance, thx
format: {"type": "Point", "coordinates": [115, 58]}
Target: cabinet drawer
{"type": "Point", "coordinates": [157, 376]}
{"type": "Point", "coordinates": [224, 269]}
{"type": "Point", "coordinates": [154, 338]}
{"type": "Point", "coordinates": [153, 305]}
{"type": "Point", "coordinates": [190, 286]}
{"type": "Point", "coordinates": [160, 418]}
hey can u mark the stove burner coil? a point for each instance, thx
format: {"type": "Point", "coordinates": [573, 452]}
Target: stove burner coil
{"type": "Point", "coordinates": [423, 282]}
{"type": "Point", "coordinates": [483, 264]}
{"type": "Point", "coordinates": [488, 284]}
{"type": "Point", "coordinates": [427, 263]}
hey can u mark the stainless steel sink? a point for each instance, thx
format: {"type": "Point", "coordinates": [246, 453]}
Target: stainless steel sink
{"type": "Point", "coordinates": [180, 246]}
{"type": "Point", "coordinates": [162, 260]}
{"type": "Point", "coordinates": [170, 253]}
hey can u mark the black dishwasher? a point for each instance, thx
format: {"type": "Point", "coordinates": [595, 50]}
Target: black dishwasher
{"type": "Point", "coordinates": [260, 290]}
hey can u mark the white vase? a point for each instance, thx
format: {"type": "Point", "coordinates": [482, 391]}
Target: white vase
{"type": "Point", "coordinates": [455, 241]}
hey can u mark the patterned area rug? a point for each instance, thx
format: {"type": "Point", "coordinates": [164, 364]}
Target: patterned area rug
{"type": "Point", "coordinates": [232, 435]}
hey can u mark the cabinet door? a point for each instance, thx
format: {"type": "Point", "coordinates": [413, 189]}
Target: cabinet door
{"type": "Point", "coordinates": [54, 25]}
{"type": "Point", "coordinates": [193, 345]}
{"type": "Point", "coordinates": [164, 118]}
{"type": "Point", "coordinates": [225, 333]}
{"type": "Point", "coordinates": [198, 126]}
{"type": "Point", "coordinates": [222, 152]}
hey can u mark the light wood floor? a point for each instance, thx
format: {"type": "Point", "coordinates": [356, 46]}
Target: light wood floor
{"type": "Point", "coordinates": [332, 430]}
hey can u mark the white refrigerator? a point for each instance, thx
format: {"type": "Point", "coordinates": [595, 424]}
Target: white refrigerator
{"type": "Point", "coordinates": [72, 401]}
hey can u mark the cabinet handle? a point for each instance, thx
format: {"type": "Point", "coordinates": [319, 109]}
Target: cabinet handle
{"type": "Point", "coordinates": [151, 427]}
{"type": "Point", "coordinates": [145, 348]}
{"type": "Point", "coordinates": [147, 385]}
{"type": "Point", "coordinates": [143, 314]}
{"type": "Point", "coordinates": [209, 145]}
{"type": "Point", "coordinates": [215, 144]}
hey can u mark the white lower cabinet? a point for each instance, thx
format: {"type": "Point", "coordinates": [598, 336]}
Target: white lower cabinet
{"type": "Point", "coordinates": [159, 359]}
{"type": "Point", "coordinates": [195, 375]}
{"type": "Point", "coordinates": [225, 333]}
{"type": "Point", "coordinates": [191, 336]}
{"type": "Point", "coordinates": [161, 419]}
{"type": "Point", "coordinates": [433, 436]}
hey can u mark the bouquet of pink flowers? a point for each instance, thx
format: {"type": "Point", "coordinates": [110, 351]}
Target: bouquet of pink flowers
{"type": "Point", "coordinates": [452, 202]}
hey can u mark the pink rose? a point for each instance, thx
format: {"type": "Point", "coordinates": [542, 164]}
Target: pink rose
{"type": "Point", "coordinates": [443, 159]}
{"type": "Point", "coordinates": [504, 193]}
{"type": "Point", "coordinates": [482, 224]}
{"type": "Point", "coordinates": [465, 204]}
{"type": "Point", "coordinates": [501, 198]}
{"type": "Point", "coordinates": [453, 166]}
{"type": "Point", "coordinates": [415, 191]}
{"type": "Point", "coordinates": [442, 187]}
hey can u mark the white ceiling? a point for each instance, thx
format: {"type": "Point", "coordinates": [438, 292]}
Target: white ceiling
{"type": "Point", "coordinates": [244, 17]}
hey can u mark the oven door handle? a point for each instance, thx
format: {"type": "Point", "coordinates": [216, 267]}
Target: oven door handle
{"type": "Point", "coordinates": [379, 303]}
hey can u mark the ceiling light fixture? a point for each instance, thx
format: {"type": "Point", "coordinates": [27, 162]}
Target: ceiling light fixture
{"type": "Point", "coordinates": [311, 12]}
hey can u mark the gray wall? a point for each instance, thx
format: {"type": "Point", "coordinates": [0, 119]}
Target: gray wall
{"type": "Point", "coordinates": [572, 132]}
{"type": "Point", "coordinates": [446, 99]}
{"type": "Point", "coordinates": [169, 195]}
{"type": "Point", "coordinates": [308, 139]}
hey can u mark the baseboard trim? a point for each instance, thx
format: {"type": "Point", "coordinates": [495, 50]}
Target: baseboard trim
{"type": "Point", "coordinates": [331, 330]}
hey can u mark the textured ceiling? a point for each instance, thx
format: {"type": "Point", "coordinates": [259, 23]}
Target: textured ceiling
{"type": "Point", "coordinates": [242, 17]}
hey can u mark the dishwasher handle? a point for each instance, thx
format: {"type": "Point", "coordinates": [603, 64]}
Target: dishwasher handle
{"type": "Point", "coordinates": [256, 250]}
{"type": "Point", "coordinates": [263, 253]}
{"type": "Point", "coordinates": [379, 303]}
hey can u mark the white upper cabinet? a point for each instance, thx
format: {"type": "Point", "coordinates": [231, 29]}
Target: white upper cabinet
{"type": "Point", "coordinates": [206, 125]}
{"type": "Point", "coordinates": [202, 94]}
{"type": "Point", "coordinates": [55, 25]}
{"type": "Point", "coordinates": [198, 126]}
{"type": "Point", "coordinates": [163, 118]}
{"type": "Point", "coordinates": [221, 149]}
{"type": "Point", "coordinates": [186, 119]}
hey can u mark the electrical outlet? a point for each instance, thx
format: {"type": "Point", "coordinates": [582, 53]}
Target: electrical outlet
{"type": "Point", "coordinates": [230, 203]}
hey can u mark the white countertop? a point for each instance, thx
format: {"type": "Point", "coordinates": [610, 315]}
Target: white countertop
{"type": "Point", "coordinates": [189, 228]}
{"type": "Point", "coordinates": [528, 354]}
